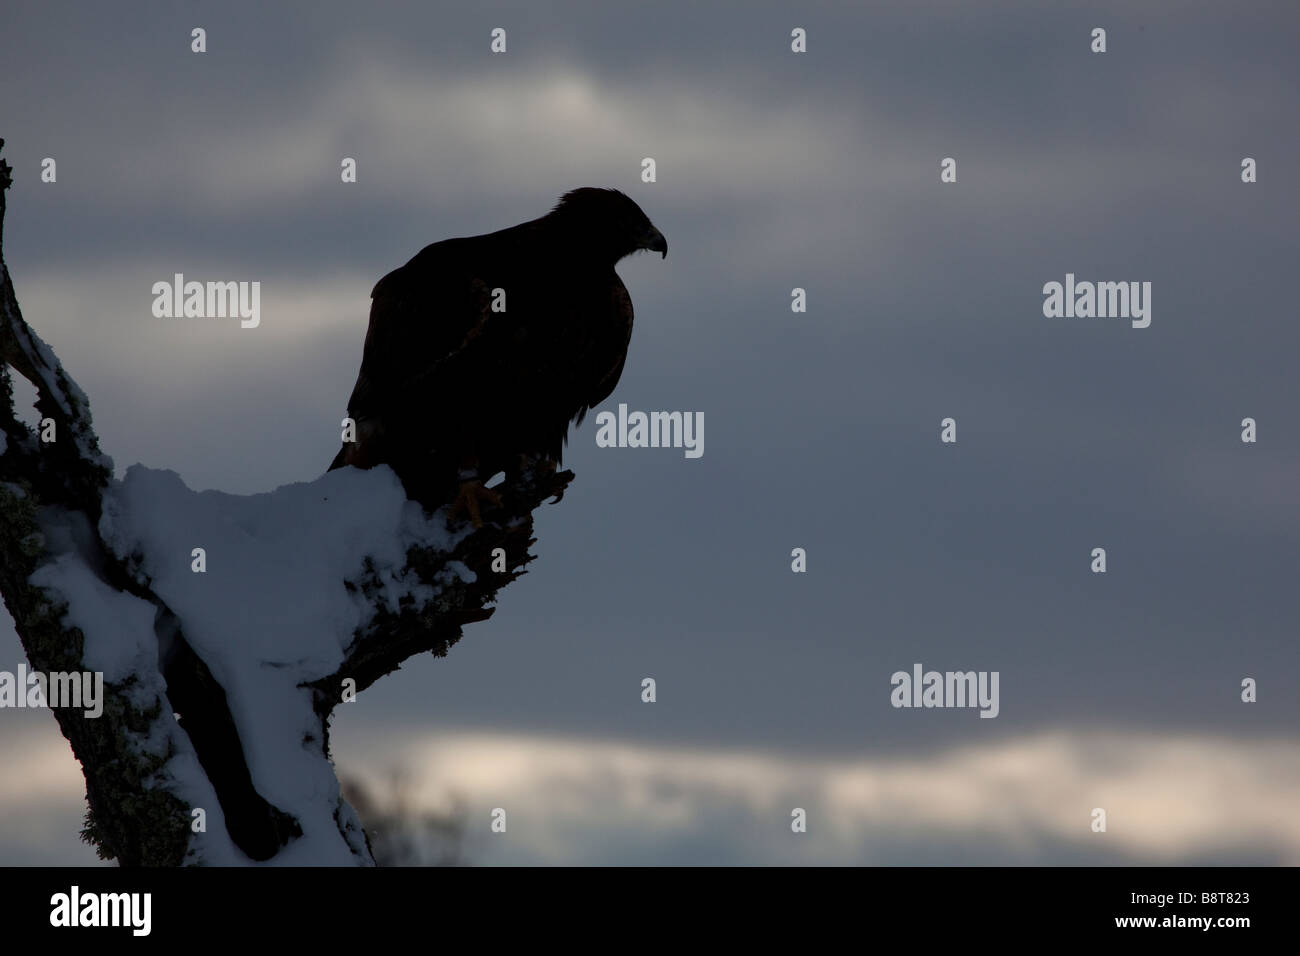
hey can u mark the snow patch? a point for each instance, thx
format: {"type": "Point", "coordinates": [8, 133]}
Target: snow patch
{"type": "Point", "coordinates": [118, 626]}
{"type": "Point", "coordinates": [119, 642]}
{"type": "Point", "coordinates": [270, 611]}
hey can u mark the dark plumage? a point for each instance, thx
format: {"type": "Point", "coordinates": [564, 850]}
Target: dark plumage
{"type": "Point", "coordinates": [450, 389]}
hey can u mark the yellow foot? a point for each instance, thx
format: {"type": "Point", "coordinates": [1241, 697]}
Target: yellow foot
{"type": "Point", "coordinates": [468, 499]}
{"type": "Point", "coordinates": [541, 466]}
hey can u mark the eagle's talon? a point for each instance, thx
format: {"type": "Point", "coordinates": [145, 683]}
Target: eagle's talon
{"type": "Point", "coordinates": [468, 498]}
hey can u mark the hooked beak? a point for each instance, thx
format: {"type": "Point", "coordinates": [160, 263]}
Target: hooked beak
{"type": "Point", "coordinates": [656, 242]}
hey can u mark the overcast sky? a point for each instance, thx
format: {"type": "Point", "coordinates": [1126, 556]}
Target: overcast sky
{"type": "Point", "coordinates": [775, 170]}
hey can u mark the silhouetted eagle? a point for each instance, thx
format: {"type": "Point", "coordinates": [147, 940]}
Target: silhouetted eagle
{"type": "Point", "coordinates": [484, 349]}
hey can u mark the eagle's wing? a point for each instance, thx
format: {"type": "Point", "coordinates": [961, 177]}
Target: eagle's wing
{"type": "Point", "coordinates": [610, 355]}
{"type": "Point", "coordinates": [423, 319]}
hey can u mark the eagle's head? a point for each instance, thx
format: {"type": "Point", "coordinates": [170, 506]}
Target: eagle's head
{"type": "Point", "coordinates": [609, 220]}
